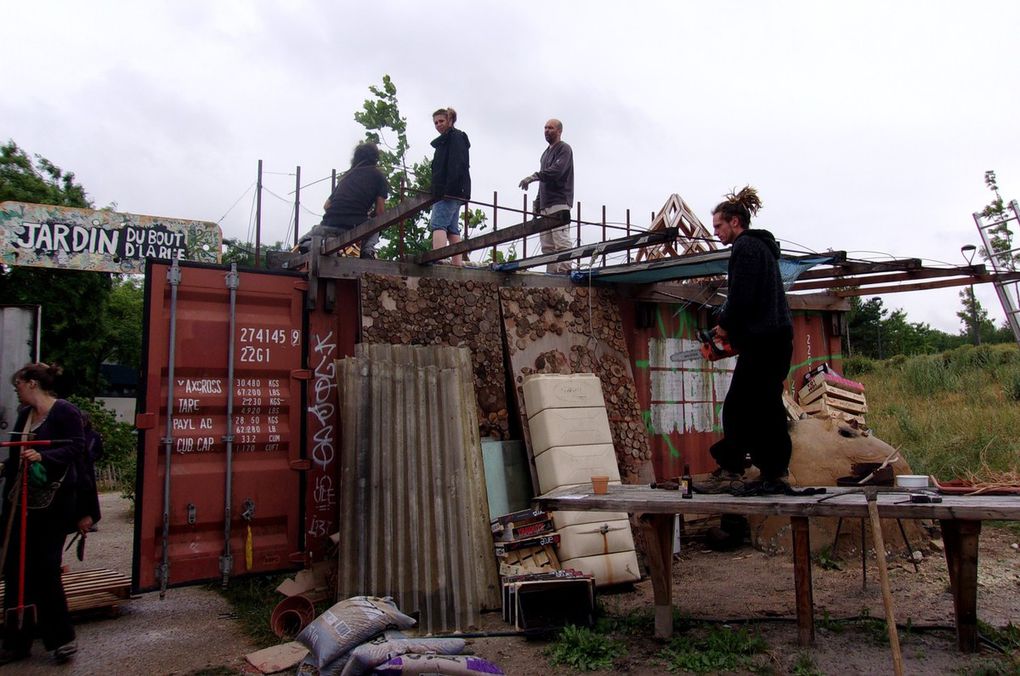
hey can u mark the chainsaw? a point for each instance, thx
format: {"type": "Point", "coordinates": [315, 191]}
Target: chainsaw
{"type": "Point", "coordinates": [712, 348]}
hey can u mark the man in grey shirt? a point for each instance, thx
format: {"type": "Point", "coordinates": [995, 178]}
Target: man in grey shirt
{"type": "Point", "coordinates": [555, 192]}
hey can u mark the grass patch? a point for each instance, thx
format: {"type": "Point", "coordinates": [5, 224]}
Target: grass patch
{"type": "Point", "coordinates": [951, 414]}
{"type": "Point", "coordinates": [805, 666]}
{"type": "Point", "coordinates": [825, 560]}
{"type": "Point", "coordinates": [582, 649]}
{"type": "Point", "coordinates": [253, 599]}
{"type": "Point", "coordinates": [718, 649]}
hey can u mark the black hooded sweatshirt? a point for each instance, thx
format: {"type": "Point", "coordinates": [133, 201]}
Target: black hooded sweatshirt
{"type": "Point", "coordinates": [756, 301]}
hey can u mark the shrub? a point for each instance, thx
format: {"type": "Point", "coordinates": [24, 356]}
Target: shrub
{"type": "Point", "coordinates": [1011, 384]}
{"type": "Point", "coordinates": [581, 649]}
{"type": "Point", "coordinates": [855, 366]}
{"type": "Point", "coordinates": [120, 442]}
{"type": "Point", "coordinates": [924, 375]}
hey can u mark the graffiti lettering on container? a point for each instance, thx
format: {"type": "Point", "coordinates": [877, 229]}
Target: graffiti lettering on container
{"type": "Point", "coordinates": [318, 528]}
{"type": "Point", "coordinates": [324, 493]}
{"type": "Point", "coordinates": [323, 411]}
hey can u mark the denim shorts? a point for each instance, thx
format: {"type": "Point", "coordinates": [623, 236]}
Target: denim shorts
{"type": "Point", "coordinates": [445, 216]}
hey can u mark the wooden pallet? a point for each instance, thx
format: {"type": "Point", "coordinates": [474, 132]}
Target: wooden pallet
{"type": "Point", "coordinates": [92, 589]}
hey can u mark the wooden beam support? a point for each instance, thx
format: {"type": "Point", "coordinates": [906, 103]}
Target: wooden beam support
{"type": "Point", "coordinates": [802, 580]}
{"type": "Point", "coordinates": [611, 246]}
{"type": "Point", "coordinates": [925, 273]}
{"type": "Point", "coordinates": [924, 286]}
{"type": "Point", "coordinates": [863, 268]}
{"type": "Point", "coordinates": [961, 541]}
{"type": "Point", "coordinates": [658, 532]}
{"type": "Point", "coordinates": [406, 208]}
{"type": "Point", "coordinates": [532, 227]}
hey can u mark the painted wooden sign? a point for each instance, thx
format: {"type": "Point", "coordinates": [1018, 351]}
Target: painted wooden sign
{"type": "Point", "coordinates": [41, 235]}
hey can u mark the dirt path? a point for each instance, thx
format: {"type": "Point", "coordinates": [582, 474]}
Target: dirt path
{"type": "Point", "coordinates": [188, 630]}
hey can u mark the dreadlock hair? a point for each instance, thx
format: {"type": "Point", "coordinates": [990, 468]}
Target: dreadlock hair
{"type": "Point", "coordinates": [365, 154]}
{"type": "Point", "coordinates": [740, 205]}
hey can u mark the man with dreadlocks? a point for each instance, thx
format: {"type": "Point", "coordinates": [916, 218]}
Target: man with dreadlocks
{"type": "Point", "coordinates": [755, 319]}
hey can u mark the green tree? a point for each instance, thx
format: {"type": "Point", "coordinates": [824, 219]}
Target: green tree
{"type": "Point", "coordinates": [387, 128]}
{"type": "Point", "coordinates": [75, 332]}
{"type": "Point", "coordinates": [1000, 237]}
{"type": "Point", "coordinates": [864, 327]}
{"type": "Point", "coordinates": [243, 253]}
{"type": "Point", "coordinates": [124, 311]}
{"type": "Point", "coordinates": [977, 327]}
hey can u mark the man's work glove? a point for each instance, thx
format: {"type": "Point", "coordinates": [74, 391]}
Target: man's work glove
{"type": "Point", "coordinates": [526, 181]}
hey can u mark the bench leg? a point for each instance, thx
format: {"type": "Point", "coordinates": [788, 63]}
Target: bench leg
{"type": "Point", "coordinates": [961, 543]}
{"type": "Point", "coordinates": [658, 532]}
{"type": "Point", "coordinates": [802, 580]}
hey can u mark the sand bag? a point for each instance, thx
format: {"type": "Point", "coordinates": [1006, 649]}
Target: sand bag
{"type": "Point", "coordinates": [454, 665]}
{"type": "Point", "coordinates": [369, 655]}
{"type": "Point", "coordinates": [348, 624]}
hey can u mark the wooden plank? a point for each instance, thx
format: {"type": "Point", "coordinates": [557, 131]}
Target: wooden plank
{"type": "Point", "coordinates": [406, 208]}
{"type": "Point", "coordinates": [807, 395]}
{"type": "Point", "coordinates": [826, 405]}
{"type": "Point", "coordinates": [532, 227]}
{"type": "Point", "coordinates": [924, 273]}
{"type": "Point", "coordinates": [802, 580]}
{"type": "Point", "coordinates": [588, 250]}
{"type": "Point", "coordinates": [924, 286]}
{"type": "Point", "coordinates": [845, 502]}
{"type": "Point", "coordinates": [658, 532]}
{"type": "Point", "coordinates": [863, 268]}
{"type": "Point", "coordinates": [961, 541]}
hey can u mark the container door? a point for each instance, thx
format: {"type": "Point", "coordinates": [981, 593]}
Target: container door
{"type": "Point", "coordinates": [266, 496]}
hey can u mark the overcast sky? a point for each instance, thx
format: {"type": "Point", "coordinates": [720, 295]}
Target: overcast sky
{"type": "Point", "coordinates": [866, 126]}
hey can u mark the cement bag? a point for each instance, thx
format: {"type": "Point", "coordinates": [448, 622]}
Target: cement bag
{"type": "Point", "coordinates": [348, 624]}
{"type": "Point", "coordinates": [369, 655]}
{"type": "Point", "coordinates": [456, 665]}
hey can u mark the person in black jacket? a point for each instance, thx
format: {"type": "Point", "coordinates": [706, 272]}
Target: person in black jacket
{"type": "Point", "coordinates": [451, 179]}
{"type": "Point", "coordinates": [359, 193]}
{"type": "Point", "coordinates": [51, 516]}
{"type": "Point", "coordinates": [755, 319]}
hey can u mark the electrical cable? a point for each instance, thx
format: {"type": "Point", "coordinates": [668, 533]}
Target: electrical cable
{"type": "Point", "coordinates": [237, 201]}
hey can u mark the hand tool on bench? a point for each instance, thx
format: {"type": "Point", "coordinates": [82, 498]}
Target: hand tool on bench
{"type": "Point", "coordinates": [871, 495]}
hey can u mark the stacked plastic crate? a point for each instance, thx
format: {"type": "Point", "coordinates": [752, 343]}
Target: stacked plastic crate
{"type": "Point", "coordinates": [571, 442]}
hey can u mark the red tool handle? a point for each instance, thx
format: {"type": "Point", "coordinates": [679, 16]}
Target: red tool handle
{"type": "Point", "coordinates": [21, 560]}
{"type": "Point", "coordinates": [37, 442]}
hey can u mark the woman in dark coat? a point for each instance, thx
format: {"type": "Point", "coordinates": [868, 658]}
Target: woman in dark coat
{"type": "Point", "coordinates": [42, 417]}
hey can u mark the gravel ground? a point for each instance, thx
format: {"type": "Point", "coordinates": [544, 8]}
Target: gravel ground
{"type": "Point", "coordinates": [188, 630]}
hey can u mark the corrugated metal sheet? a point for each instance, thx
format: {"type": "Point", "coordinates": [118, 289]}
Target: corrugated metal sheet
{"type": "Point", "coordinates": [682, 402]}
{"type": "Point", "coordinates": [414, 520]}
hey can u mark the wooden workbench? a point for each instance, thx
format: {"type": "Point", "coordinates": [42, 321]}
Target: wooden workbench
{"type": "Point", "coordinates": [960, 516]}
